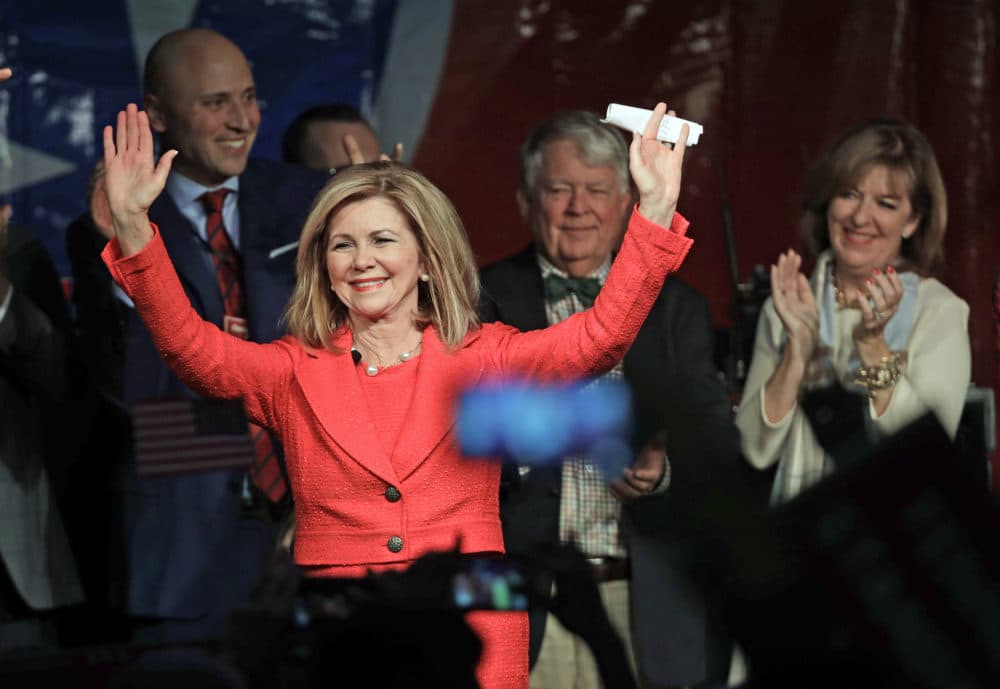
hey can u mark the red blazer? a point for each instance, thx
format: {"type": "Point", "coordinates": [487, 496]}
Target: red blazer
{"type": "Point", "coordinates": [312, 398]}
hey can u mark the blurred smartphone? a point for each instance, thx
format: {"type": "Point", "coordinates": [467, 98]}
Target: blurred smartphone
{"type": "Point", "coordinates": [497, 584]}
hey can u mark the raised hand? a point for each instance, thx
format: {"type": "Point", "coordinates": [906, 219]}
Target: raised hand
{"type": "Point", "coordinates": [795, 305]}
{"type": "Point", "coordinates": [656, 169]}
{"type": "Point", "coordinates": [353, 150]}
{"type": "Point", "coordinates": [356, 157]}
{"type": "Point", "coordinates": [397, 153]}
{"type": "Point", "coordinates": [132, 180]}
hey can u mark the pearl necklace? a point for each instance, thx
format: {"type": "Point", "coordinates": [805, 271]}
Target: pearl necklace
{"type": "Point", "coordinates": [373, 370]}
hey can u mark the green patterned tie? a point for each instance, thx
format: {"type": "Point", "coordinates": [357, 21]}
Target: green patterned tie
{"type": "Point", "coordinates": [585, 289]}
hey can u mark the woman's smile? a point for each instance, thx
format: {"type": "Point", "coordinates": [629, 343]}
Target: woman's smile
{"type": "Point", "coordinates": [368, 284]}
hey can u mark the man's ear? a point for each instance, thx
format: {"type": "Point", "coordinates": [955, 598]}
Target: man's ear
{"type": "Point", "coordinates": [523, 204]}
{"type": "Point", "coordinates": [631, 198]}
{"type": "Point", "coordinates": [157, 118]}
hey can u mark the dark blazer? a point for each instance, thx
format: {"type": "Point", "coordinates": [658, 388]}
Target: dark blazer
{"type": "Point", "coordinates": [675, 387]}
{"type": "Point", "coordinates": [103, 442]}
{"type": "Point", "coordinates": [37, 566]}
{"type": "Point", "coordinates": [99, 316]}
{"type": "Point", "coordinates": [189, 553]}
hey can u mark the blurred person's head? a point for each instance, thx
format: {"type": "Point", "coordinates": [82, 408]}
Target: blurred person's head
{"type": "Point", "coordinates": [876, 198]}
{"type": "Point", "coordinates": [202, 101]}
{"type": "Point", "coordinates": [575, 190]}
{"type": "Point", "coordinates": [316, 137]}
{"type": "Point", "coordinates": [430, 225]}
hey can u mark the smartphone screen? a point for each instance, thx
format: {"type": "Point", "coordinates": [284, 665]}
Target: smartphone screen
{"type": "Point", "coordinates": [490, 584]}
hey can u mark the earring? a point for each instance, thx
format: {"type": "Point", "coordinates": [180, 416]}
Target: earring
{"type": "Point", "coordinates": [425, 277]}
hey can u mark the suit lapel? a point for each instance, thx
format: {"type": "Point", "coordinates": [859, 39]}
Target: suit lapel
{"type": "Point", "coordinates": [441, 378]}
{"type": "Point", "coordinates": [267, 282]}
{"type": "Point", "coordinates": [523, 303]}
{"type": "Point", "coordinates": [331, 387]}
{"type": "Point", "coordinates": [188, 256]}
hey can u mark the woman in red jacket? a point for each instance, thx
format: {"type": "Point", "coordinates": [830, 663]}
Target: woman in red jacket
{"type": "Point", "coordinates": [384, 336]}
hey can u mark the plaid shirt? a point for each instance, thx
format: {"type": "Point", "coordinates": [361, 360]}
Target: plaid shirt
{"type": "Point", "coordinates": [589, 514]}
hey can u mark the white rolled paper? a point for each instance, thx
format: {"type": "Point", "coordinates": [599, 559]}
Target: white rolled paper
{"type": "Point", "coordinates": [635, 119]}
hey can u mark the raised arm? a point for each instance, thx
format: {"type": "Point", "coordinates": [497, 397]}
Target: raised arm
{"type": "Point", "coordinates": [132, 179]}
{"type": "Point", "coordinates": [654, 246]}
{"type": "Point", "coordinates": [357, 157]}
{"type": "Point", "coordinates": [208, 360]}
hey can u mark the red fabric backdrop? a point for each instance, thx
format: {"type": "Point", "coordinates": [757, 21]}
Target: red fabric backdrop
{"type": "Point", "coordinates": [772, 81]}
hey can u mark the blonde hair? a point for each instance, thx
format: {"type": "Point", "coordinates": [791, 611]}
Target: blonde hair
{"type": "Point", "coordinates": [908, 156]}
{"type": "Point", "coordinates": [448, 300]}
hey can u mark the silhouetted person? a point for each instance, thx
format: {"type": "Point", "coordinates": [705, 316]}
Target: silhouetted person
{"type": "Point", "coordinates": [38, 573]}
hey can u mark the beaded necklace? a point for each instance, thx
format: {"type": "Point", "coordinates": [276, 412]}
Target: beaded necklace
{"type": "Point", "coordinates": [373, 370]}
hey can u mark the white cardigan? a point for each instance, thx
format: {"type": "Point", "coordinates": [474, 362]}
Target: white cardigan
{"type": "Point", "coordinates": [936, 378]}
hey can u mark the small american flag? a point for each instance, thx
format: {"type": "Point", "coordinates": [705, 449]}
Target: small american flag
{"type": "Point", "coordinates": [190, 435]}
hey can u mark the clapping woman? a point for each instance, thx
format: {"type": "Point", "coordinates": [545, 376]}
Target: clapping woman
{"type": "Point", "coordinates": [873, 215]}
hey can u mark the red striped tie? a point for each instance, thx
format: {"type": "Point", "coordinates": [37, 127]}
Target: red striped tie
{"type": "Point", "coordinates": [265, 471]}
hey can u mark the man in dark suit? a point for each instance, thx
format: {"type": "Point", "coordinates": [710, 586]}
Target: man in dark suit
{"type": "Point", "coordinates": [38, 573]}
{"type": "Point", "coordinates": [195, 542]}
{"type": "Point", "coordinates": [575, 195]}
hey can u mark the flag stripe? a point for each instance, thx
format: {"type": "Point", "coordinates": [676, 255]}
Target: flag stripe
{"type": "Point", "coordinates": [167, 441]}
{"type": "Point", "coordinates": [198, 466]}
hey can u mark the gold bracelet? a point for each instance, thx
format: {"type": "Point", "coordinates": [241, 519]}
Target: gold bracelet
{"type": "Point", "coordinates": [882, 375]}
